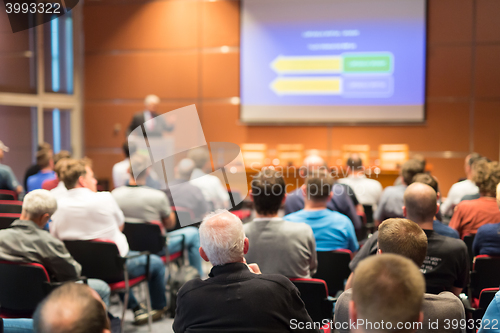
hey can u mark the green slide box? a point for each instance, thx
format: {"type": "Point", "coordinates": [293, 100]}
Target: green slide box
{"type": "Point", "coordinates": [369, 63]}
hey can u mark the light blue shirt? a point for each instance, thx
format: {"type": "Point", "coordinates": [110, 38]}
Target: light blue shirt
{"type": "Point", "coordinates": [332, 230]}
{"type": "Point", "coordinates": [491, 318]}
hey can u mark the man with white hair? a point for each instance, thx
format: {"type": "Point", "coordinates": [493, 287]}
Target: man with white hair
{"type": "Point", "coordinates": [236, 297]}
{"type": "Point", "coordinates": [26, 241]}
{"type": "Point", "coordinates": [156, 128]}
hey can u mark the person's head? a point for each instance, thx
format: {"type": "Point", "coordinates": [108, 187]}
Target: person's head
{"type": "Point", "coordinates": [421, 159]}
{"type": "Point", "coordinates": [78, 173]}
{"type": "Point", "coordinates": [268, 191]}
{"type": "Point", "coordinates": [420, 203]}
{"type": "Point", "coordinates": [222, 238]}
{"type": "Point", "coordinates": [318, 187]}
{"type": "Point", "coordinates": [3, 148]}
{"type": "Point", "coordinates": [403, 237]}
{"type": "Point", "coordinates": [200, 156]}
{"type": "Point", "coordinates": [185, 168]}
{"type": "Point", "coordinates": [71, 308]}
{"type": "Point", "coordinates": [469, 161]}
{"type": "Point", "coordinates": [59, 159]}
{"type": "Point", "coordinates": [151, 102]}
{"type": "Point", "coordinates": [486, 175]}
{"type": "Point", "coordinates": [354, 163]}
{"type": "Point", "coordinates": [38, 206]}
{"type": "Point", "coordinates": [140, 163]}
{"type": "Point", "coordinates": [313, 163]}
{"type": "Point", "coordinates": [409, 169]}
{"type": "Point", "coordinates": [388, 288]}
{"type": "Point", "coordinates": [45, 159]}
{"type": "Point", "coordinates": [429, 180]}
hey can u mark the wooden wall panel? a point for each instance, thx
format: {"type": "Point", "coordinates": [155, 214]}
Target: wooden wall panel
{"type": "Point", "coordinates": [449, 71]}
{"type": "Point", "coordinates": [220, 75]}
{"type": "Point", "coordinates": [169, 25]}
{"type": "Point", "coordinates": [487, 22]}
{"type": "Point", "coordinates": [487, 129]}
{"type": "Point", "coordinates": [220, 23]}
{"type": "Point", "coordinates": [488, 71]}
{"type": "Point", "coordinates": [125, 76]}
{"type": "Point", "coordinates": [220, 123]}
{"type": "Point", "coordinates": [450, 21]}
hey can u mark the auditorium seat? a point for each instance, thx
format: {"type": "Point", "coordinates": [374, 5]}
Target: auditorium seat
{"type": "Point", "coordinates": [485, 274]}
{"type": "Point", "coordinates": [314, 294]}
{"type": "Point", "coordinates": [11, 206]}
{"type": "Point", "coordinates": [8, 195]}
{"type": "Point", "coordinates": [333, 267]}
{"type": "Point", "coordinates": [6, 219]}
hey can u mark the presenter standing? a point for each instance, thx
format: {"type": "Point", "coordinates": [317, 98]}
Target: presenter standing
{"type": "Point", "coordinates": [155, 128]}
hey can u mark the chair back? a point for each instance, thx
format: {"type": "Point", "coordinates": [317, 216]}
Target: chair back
{"type": "Point", "coordinates": [8, 195]}
{"type": "Point", "coordinates": [100, 259]}
{"type": "Point", "coordinates": [333, 267]}
{"type": "Point", "coordinates": [144, 237]}
{"type": "Point", "coordinates": [11, 206]}
{"type": "Point", "coordinates": [485, 274]}
{"type": "Point", "coordinates": [314, 293]}
{"type": "Point", "coordinates": [6, 219]}
{"type": "Point", "coordinates": [22, 287]}
{"type": "Point", "coordinates": [469, 240]}
{"type": "Point", "coordinates": [486, 296]}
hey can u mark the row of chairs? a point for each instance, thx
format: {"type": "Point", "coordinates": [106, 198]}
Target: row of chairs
{"type": "Point", "coordinates": [8, 195]}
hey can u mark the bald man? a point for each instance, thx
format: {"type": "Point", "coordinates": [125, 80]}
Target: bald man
{"type": "Point", "coordinates": [74, 308]}
{"type": "Point", "coordinates": [339, 202]}
{"type": "Point", "coordinates": [446, 266]}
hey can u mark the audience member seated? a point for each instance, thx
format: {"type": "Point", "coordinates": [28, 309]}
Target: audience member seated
{"type": "Point", "coordinates": [181, 193]}
{"type": "Point", "coordinates": [446, 266]}
{"type": "Point", "coordinates": [25, 241]}
{"type": "Point", "coordinates": [331, 229]}
{"type": "Point", "coordinates": [235, 297]}
{"type": "Point", "coordinates": [278, 246]}
{"type": "Point", "coordinates": [140, 203]}
{"type": "Point", "coordinates": [120, 169]}
{"type": "Point", "coordinates": [406, 238]}
{"type": "Point", "coordinates": [339, 202]}
{"type": "Point", "coordinates": [56, 183]}
{"type": "Point", "coordinates": [45, 161]}
{"type": "Point", "coordinates": [85, 214]}
{"type": "Point", "coordinates": [461, 188]}
{"type": "Point", "coordinates": [71, 308]}
{"type": "Point", "coordinates": [34, 169]}
{"type": "Point", "coordinates": [8, 180]}
{"type": "Point", "coordinates": [211, 187]}
{"type": "Point", "coordinates": [367, 190]}
{"type": "Point", "coordinates": [390, 204]}
{"type": "Point", "coordinates": [491, 319]}
{"type": "Point", "coordinates": [387, 289]}
{"type": "Point", "coordinates": [471, 214]}
{"type": "Point", "coordinates": [439, 227]}
{"type": "Point", "coordinates": [487, 240]}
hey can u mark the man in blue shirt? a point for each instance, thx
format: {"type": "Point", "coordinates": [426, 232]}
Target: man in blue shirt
{"type": "Point", "coordinates": [45, 160]}
{"type": "Point", "coordinates": [332, 230]}
{"type": "Point", "coordinates": [8, 180]}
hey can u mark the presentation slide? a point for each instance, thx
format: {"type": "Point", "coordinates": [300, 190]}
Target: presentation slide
{"type": "Point", "coordinates": [336, 61]}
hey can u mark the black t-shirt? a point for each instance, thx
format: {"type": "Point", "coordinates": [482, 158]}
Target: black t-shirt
{"type": "Point", "coordinates": [445, 266]}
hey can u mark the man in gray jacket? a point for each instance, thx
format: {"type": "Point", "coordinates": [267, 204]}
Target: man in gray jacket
{"type": "Point", "coordinates": [278, 246]}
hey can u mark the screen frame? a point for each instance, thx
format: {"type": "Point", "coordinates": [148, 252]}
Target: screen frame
{"type": "Point", "coordinates": [338, 123]}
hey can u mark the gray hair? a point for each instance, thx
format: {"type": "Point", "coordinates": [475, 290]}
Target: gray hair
{"type": "Point", "coordinates": [151, 99]}
{"type": "Point", "coordinates": [39, 202]}
{"type": "Point", "coordinates": [222, 237]}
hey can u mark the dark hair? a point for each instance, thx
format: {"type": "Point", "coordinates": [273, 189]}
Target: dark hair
{"type": "Point", "coordinates": [410, 169]}
{"type": "Point", "coordinates": [426, 179]}
{"type": "Point", "coordinates": [403, 237]}
{"type": "Point", "coordinates": [268, 191]}
{"type": "Point", "coordinates": [89, 313]}
{"type": "Point", "coordinates": [355, 163]}
{"type": "Point", "coordinates": [319, 186]}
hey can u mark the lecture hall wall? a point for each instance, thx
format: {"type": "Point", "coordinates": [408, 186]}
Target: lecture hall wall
{"type": "Point", "coordinates": [172, 48]}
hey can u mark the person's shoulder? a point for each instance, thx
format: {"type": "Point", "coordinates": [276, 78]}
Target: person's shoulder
{"type": "Point", "coordinates": [191, 286]}
{"type": "Point", "coordinates": [487, 228]}
{"type": "Point", "coordinates": [338, 216]}
{"type": "Point", "coordinates": [277, 280]}
{"type": "Point", "coordinates": [449, 243]}
{"type": "Point", "coordinates": [295, 215]}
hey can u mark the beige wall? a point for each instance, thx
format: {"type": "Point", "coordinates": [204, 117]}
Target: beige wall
{"type": "Point", "coordinates": [172, 48]}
